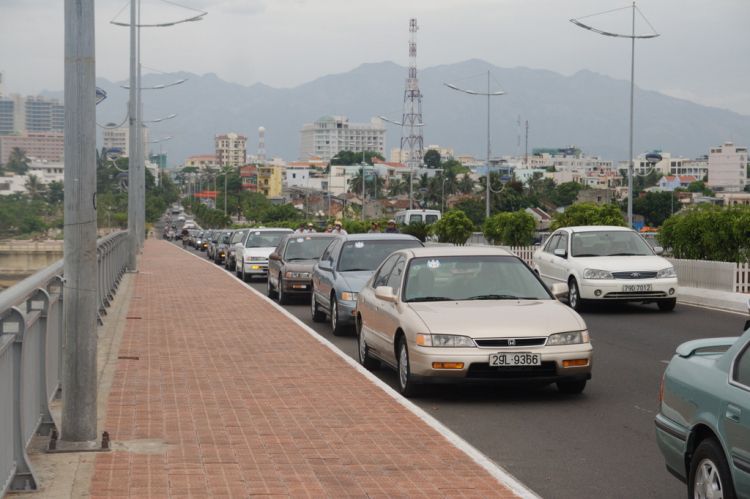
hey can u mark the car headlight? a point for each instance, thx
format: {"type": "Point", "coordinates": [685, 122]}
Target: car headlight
{"type": "Point", "coordinates": [569, 338]}
{"type": "Point", "coordinates": [666, 273]}
{"type": "Point", "coordinates": [231, 253]}
{"type": "Point", "coordinates": [348, 295]}
{"type": "Point", "coordinates": [597, 274]}
{"type": "Point", "coordinates": [444, 340]}
{"type": "Point", "coordinates": [298, 275]}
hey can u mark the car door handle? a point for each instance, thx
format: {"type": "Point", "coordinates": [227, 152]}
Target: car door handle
{"type": "Point", "coordinates": [733, 413]}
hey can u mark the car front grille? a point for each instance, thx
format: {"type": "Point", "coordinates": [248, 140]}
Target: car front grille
{"type": "Point", "coordinates": [510, 342]}
{"type": "Point", "coordinates": [635, 295]}
{"type": "Point", "coordinates": [483, 370]}
{"type": "Point", "coordinates": [635, 274]}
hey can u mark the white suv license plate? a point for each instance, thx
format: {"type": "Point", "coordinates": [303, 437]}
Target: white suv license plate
{"type": "Point", "coordinates": [515, 359]}
{"type": "Point", "coordinates": [636, 287]}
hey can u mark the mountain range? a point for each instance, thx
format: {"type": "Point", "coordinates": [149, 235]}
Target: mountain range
{"type": "Point", "coordinates": [586, 110]}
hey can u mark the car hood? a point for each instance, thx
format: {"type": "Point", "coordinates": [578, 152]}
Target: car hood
{"type": "Point", "coordinates": [265, 252]}
{"type": "Point", "coordinates": [623, 263]}
{"type": "Point", "coordinates": [356, 280]}
{"type": "Point", "coordinates": [300, 265]}
{"type": "Point", "coordinates": [493, 318]}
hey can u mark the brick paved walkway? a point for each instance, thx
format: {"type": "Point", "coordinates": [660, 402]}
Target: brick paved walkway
{"type": "Point", "coordinates": [218, 393]}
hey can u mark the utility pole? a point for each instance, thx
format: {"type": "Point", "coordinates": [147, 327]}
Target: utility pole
{"type": "Point", "coordinates": [79, 384]}
{"type": "Point", "coordinates": [132, 148]}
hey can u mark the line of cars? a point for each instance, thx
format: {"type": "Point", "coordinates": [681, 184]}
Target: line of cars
{"type": "Point", "coordinates": [480, 315]}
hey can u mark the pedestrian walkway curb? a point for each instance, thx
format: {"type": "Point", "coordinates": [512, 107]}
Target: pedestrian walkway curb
{"type": "Point", "coordinates": [718, 300]}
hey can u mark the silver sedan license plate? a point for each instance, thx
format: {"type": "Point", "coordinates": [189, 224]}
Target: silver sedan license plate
{"type": "Point", "coordinates": [515, 359]}
{"type": "Point", "coordinates": [636, 287]}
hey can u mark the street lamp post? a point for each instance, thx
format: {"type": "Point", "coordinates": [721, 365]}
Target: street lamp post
{"type": "Point", "coordinates": [633, 38]}
{"type": "Point", "coordinates": [488, 94]}
{"type": "Point", "coordinates": [442, 211]}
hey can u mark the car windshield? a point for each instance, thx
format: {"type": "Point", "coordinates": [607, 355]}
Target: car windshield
{"type": "Point", "coordinates": [259, 239]}
{"type": "Point", "coordinates": [306, 248]}
{"type": "Point", "coordinates": [609, 243]}
{"type": "Point", "coordinates": [367, 255]}
{"type": "Point", "coordinates": [450, 278]}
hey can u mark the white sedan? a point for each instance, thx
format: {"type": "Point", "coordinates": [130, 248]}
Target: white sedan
{"type": "Point", "coordinates": [469, 315]}
{"type": "Point", "coordinates": [606, 263]}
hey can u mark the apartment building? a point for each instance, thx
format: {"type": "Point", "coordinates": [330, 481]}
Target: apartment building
{"type": "Point", "coordinates": [30, 114]}
{"type": "Point", "coordinates": [269, 181]}
{"type": "Point", "coordinates": [44, 146]}
{"type": "Point", "coordinates": [231, 149]}
{"type": "Point", "coordinates": [727, 168]}
{"type": "Point", "coordinates": [328, 135]}
{"type": "Point", "coordinates": [119, 136]}
{"type": "Point", "coordinates": [201, 162]}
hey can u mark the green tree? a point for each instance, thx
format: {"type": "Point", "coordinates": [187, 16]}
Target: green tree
{"type": "Point", "coordinates": [432, 159]}
{"type": "Point", "coordinates": [565, 194]}
{"type": "Point", "coordinates": [510, 229]}
{"type": "Point", "coordinates": [420, 230]}
{"type": "Point", "coordinates": [709, 232]}
{"type": "Point", "coordinates": [18, 162]}
{"type": "Point", "coordinates": [55, 192]}
{"type": "Point", "coordinates": [35, 187]}
{"type": "Point", "coordinates": [655, 207]}
{"type": "Point", "coordinates": [455, 227]}
{"type": "Point", "coordinates": [700, 186]}
{"type": "Point", "coordinates": [346, 157]}
{"type": "Point", "coordinates": [473, 208]}
{"type": "Point", "coordinates": [588, 214]}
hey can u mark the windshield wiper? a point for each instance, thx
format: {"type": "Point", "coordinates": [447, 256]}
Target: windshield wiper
{"type": "Point", "coordinates": [429, 298]}
{"type": "Point", "coordinates": [295, 259]}
{"type": "Point", "coordinates": [493, 297]}
{"type": "Point", "coordinates": [355, 270]}
{"type": "Point", "coordinates": [585, 254]}
{"type": "Point", "coordinates": [625, 254]}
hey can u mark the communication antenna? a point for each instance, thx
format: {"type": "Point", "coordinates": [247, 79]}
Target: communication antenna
{"type": "Point", "coordinates": [411, 121]}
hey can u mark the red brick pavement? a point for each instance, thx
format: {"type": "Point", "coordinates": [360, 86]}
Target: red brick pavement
{"type": "Point", "coordinates": [252, 405]}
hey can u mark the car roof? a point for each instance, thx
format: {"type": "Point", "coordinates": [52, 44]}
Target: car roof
{"type": "Point", "coordinates": [377, 236]}
{"type": "Point", "coordinates": [598, 228]}
{"type": "Point", "coordinates": [323, 235]}
{"type": "Point", "coordinates": [268, 229]}
{"type": "Point", "coordinates": [434, 250]}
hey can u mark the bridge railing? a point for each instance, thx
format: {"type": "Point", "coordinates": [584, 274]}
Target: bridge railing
{"type": "Point", "coordinates": [31, 340]}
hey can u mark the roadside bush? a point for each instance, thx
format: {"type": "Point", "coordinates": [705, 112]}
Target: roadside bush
{"type": "Point", "coordinates": [588, 214]}
{"type": "Point", "coordinates": [455, 227]}
{"type": "Point", "coordinates": [420, 230]}
{"type": "Point", "coordinates": [510, 229]}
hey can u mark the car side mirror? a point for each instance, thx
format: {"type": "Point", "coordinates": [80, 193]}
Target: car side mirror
{"type": "Point", "coordinates": [560, 252]}
{"type": "Point", "coordinates": [658, 250]}
{"type": "Point", "coordinates": [385, 293]}
{"type": "Point", "coordinates": [560, 289]}
{"type": "Point", "coordinates": [274, 256]}
{"type": "Point", "coordinates": [325, 264]}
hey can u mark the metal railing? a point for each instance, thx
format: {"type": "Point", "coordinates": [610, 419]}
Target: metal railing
{"type": "Point", "coordinates": [31, 337]}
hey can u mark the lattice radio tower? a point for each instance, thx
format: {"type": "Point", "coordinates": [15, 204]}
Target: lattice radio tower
{"type": "Point", "coordinates": [411, 122]}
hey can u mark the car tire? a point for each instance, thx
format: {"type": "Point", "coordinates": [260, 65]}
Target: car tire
{"type": "Point", "coordinates": [667, 305]}
{"type": "Point", "coordinates": [574, 296]}
{"type": "Point", "coordinates": [269, 289]}
{"type": "Point", "coordinates": [246, 277]}
{"type": "Point", "coordinates": [336, 327]}
{"type": "Point", "coordinates": [709, 470]}
{"type": "Point", "coordinates": [571, 386]}
{"type": "Point", "coordinates": [284, 298]}
{"type": "Point", "coordinates": [317, 315]}
{"type": "Point", "coordinates": [406, 386]}
{"type": "Point", "coordinates": [363, 350]}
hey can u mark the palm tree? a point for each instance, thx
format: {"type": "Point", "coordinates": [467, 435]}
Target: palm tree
{"type": "Point", "coordinates": [466, 185]}
{"type": "Point", "coordinates": [18, 162]}
{"type": "Point", "coordinates": [35, 187]}
{"type": "Point", "coordinates": [397, 187]}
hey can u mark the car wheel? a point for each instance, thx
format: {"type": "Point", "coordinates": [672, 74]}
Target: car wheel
{"type": "Point", "coordinates": [284, 298]}
{"type": "Point", "coordinates": [574, 296]}
{"type": "Point", "coordinates": [364, 357]}
{"type": "Point", "coordinates": [405, 385]}
{"type": "Point", "coordinates": [336, 327]}
{"type": "Point", "coordinates": [269, 289]}
{"type": "Point", "coordinates": [246, 277]}
{"type": "Point", "coordinates": [709, 472]}
{"type": "Point", "coordinates": [667, 305]}
{"type": "Point", "coordinates": [317, 315]}
{"type": "Point", "coordinates": [571, 386]}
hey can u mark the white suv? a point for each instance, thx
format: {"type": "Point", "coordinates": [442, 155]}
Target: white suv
{"type": "Point", "coordinates": [606, 263]}
{"type": "Point", "coordinates": [251, 255]}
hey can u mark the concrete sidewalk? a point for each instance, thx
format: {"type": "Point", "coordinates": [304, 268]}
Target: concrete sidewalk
{"type": "Point", "coordinates": [719, 300]}
{"type": "Point", "coordinates": [218, 392]}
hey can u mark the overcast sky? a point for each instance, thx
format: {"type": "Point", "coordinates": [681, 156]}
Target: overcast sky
{"type": "Point", "coordinates": [701, 54]}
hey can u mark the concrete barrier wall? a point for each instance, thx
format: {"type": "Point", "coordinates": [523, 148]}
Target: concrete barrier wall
{"type": "Point", "coordinates": [24, 258]}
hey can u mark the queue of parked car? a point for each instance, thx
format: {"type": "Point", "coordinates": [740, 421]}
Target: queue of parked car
{"type": "Point", "coordinates": [430, 313]}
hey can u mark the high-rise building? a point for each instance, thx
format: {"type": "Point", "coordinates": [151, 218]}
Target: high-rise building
{"type": "Point", "coordinates": [30, 114]}
{"type": "Point", "coordinates": [231, 149]}
{"type": "Point", "coordinates": [43, 146]}
{"type": "Point", "coordinates": [120, 137]}
{"type": "Point", "coordinates": [727, 168]}
{"type": "Point", "coordinates": [328, 135]}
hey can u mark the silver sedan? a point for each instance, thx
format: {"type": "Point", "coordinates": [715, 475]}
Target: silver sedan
{"type": "Point", "coordinates": [476, 315]}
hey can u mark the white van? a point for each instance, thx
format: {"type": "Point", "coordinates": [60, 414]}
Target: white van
{"type": "Point", "coordinates": [407, 217]}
